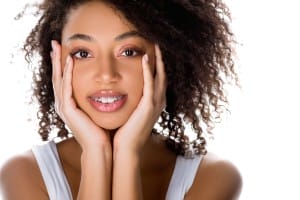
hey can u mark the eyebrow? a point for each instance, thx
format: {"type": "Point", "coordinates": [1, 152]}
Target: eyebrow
{"type": "Point", "coordinates": [79, 36]}
{"type": "Point", "coordinates": [127, 35]}
{"type": "Point", "coordinates": [123, 36]}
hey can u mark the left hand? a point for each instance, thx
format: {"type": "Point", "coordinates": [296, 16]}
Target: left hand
{"type": "Point", "coordinates": [134, 133]}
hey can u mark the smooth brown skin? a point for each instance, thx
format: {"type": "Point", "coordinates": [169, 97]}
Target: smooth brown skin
{"type": "Point", "coordinates": [21, 179]}
{"type": "Point", "coordinates": [216, 179]}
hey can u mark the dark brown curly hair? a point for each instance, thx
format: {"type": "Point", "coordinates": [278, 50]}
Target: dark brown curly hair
{"type": "Point", "coordinates": [197, 47]}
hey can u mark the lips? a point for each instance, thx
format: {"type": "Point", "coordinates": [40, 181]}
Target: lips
{"type": "Point", "coordinates": [107, 101]}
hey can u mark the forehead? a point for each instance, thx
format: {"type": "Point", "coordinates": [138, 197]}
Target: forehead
{"type": "Point", "coordinates": [95, 18]}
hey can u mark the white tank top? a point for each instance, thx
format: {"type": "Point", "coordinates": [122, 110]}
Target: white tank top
{"type": "Point", "coordinates": [58, 188]}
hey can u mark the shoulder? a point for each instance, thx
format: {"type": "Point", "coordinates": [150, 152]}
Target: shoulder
{"type": "Point", "coordinates": [20, 178]}
{"type": "Point", "coordinates": [216, 179]}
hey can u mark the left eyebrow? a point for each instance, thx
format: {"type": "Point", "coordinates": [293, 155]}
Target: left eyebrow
{"type": "Point", "coordinates": [126, 35]}
{"type": "Point", "coordinates": [79, 36]}
{"type": "Point", "coordinates": [123, 36]}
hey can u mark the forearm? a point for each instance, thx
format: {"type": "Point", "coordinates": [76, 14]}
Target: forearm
{"type": "Point", "coordinates": [126, 176]}
{"type": "Point", "coordinates": [96, 166]}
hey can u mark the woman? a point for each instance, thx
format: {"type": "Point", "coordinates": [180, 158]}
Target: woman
{"type": "Point", "coordinates": [109, 71]}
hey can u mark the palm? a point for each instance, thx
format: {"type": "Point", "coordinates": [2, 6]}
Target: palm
{"type": "Point", "coordinates": [134, 133]}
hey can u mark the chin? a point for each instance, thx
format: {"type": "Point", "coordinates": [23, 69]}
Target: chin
{"type": "Point", "coordinates": [109, 124]}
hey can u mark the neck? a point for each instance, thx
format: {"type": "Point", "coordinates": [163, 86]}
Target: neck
{"type": "Point", "coordinates": [154, 154]}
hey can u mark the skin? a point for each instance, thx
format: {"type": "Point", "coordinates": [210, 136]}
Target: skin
{"type": "Point", "coordinates": [108, 148]}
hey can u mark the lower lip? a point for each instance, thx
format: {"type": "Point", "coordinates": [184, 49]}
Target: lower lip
{"type": "Point", "coordinates": [108, 107]}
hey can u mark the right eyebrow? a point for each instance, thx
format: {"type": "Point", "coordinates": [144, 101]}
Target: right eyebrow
{"type": "Point", "coordinates": [80, 36]}
{"type": "Point", "coordinates": [126, 35]}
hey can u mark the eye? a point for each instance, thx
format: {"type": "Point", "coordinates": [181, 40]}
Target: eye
{"type": "Point", "coordinates": [81, 54]}
{"type": "Point", "coordinates": [130, 52]}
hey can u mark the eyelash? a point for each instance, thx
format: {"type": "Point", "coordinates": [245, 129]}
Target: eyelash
{"type": "Point", "coordinates": [135, 51]}
{"type": "Point", "coordinates": [76, 53]}
{"type": "Point", "coordinates": [79, 51]}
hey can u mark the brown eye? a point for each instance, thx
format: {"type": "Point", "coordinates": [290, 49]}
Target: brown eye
{"type": "Point", "coordinates": [81, 54]}
{"type": "Point", "coordinates": [129, 52]}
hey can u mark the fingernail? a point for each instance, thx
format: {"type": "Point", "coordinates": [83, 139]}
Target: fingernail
{"type": "Point", "coordinates": [68, 60]}
{"type": "Point", "coordinates": [52, 44]}
{"type": "Point", "coordinates": [146, 58]}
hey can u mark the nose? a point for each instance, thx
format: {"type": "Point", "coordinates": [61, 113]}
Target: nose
{"type": "Point", "coordinates": [107, 71]}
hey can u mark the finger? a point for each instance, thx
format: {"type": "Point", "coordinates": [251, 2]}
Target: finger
{"type": "Point", "coordinates": [67, 80]}
{"type": "Point", "coordinates": [160, 78]}
{"type": "Point", "coordinates": [56, 74]}
{"type": "Point", "coordinates": [56, 63]}
{"type": "Point", "coordinates": [148, 78]}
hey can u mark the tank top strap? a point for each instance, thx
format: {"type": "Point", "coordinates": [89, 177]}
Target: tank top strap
{"type": "Point", "coordinates": [52, 171]}
{"type": "Point", "coordinates": [183, 177]}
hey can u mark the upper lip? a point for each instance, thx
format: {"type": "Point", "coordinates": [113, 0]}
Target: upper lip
{"type": "Point", "coordinates": [106, 93]}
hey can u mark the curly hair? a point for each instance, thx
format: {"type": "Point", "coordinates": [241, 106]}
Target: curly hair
{"type": "Point", "coordinates": [196, 43]}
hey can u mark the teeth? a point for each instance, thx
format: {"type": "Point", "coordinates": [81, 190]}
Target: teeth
{"type": "Point", "coordinates": [107, 99]}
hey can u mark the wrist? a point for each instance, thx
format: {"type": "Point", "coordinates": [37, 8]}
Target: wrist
{"type": "Point", "coordinates": [126, 154]}
{"type": "Point", "coordinates": [126, 147]}
{"type": "Point", "coordinates": [95, 144]}
{"type": "Point", "coordinates": [92, 151]}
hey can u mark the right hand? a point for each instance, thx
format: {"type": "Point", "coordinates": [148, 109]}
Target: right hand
{"type": "Point", "coordinates": [85, 131]}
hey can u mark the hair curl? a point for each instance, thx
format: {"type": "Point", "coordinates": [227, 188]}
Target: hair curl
{"type": "Point", "coordinates": [196, 44]}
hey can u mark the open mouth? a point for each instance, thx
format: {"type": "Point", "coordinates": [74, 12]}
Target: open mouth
{"type": "Point", "coordinates": [107, 103]}
{"type": "Point", "coordinates": [107, 100]}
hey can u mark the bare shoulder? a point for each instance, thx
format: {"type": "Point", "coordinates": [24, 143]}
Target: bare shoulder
{"type": "Point", "coordinates": [216, 179]}
{"type": "Point", "coordinates": [20, 178]}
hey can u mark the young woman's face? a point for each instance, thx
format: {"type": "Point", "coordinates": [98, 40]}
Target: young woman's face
{"type": "Point", "coordinates": [107, 52]}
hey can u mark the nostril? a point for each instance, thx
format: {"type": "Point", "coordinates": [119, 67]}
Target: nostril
{"type": "Point", "coordinates": [107, 70]}
{"type": "Point", "coordinates": [108, 75]}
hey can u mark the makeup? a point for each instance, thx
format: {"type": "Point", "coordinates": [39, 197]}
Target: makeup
{"type": "Point", "coordinates": [107, 101]}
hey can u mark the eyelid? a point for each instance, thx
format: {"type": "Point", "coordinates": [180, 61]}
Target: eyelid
{"type": "Point", "coordinates": [76, 50]}
{"type": "Point", "coordinates": [138, 50]}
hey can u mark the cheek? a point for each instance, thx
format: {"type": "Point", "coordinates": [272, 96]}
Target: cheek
{"type": "Point", "coordinates": [135, 83]}
{"type": "Point", "coordinates": [64, 56]}
{"type": "Point", "coordinates": [152, 59]}
{"type": "Point", "coordinates": [138, 86]}
{"type": "Point", "coordinates": [137, 78]}
{"type": "Point", "coordinates": [139, 90]}
{"type": "Point", "coordinates": [80, 83]}
{"type": "Point", "coordinates": [77, 88]}
{"type": "Point", "coordinates": [152, 63]}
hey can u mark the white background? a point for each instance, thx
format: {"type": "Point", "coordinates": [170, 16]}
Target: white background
{"type": "Point", "coordinates": [261, 135]}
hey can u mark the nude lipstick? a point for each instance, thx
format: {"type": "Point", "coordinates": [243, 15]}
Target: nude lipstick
{"type": "Point", "coordinates": [107, 101]}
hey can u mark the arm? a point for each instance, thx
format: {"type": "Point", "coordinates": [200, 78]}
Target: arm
{"type": "Point", "coordinates": [95, 174]}
{"type": "Point", "coordinates": [20, 178]}
{"type": "Point", "coordinates": [126, 176]}
{"type": "Point", "coordinates": [131, 137]}
{"type": "Point", "coordinates": [216, 180]}
{"type": "Point", "coordinates": [96, 158]}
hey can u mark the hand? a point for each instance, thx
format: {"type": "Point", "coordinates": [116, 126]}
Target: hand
{"type": "Point", "coordinates": [86, 132]}
{"type": "Point", "coordinates": [135, 132]}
